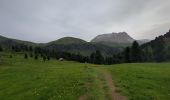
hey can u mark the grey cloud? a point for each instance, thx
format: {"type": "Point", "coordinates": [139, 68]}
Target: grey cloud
{"type": "Point", "coordinates": [43, 21]}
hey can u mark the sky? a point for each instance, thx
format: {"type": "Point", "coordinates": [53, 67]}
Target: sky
{"type": "Point", "coordinates": [47, 20]}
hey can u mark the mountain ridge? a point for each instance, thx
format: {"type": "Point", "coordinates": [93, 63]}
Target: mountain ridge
{"type": "Point", "coordinates": [65, 44]}
{"type": "Point", "coordinates": [117, 39]}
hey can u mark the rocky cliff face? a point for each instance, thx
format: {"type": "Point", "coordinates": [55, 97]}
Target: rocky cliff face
{"type": "Point", "coordinates": [121, 37]}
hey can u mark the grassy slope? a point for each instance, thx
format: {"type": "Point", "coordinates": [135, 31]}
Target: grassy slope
{"type": "Point", "coordinates": [68, 40]}
{"type": "Point", "coordinates": [38, 80]}
{"type": "Point", "coordinates": [148, 81]}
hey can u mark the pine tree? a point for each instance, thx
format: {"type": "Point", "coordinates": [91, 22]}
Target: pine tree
{"type": "Point", "coordinates": [1, 49]}
{"type": "Point", "coordinates": [25, 56]}
{"type": "Point", "coordinates": [44, 58]}
{"type": "Point", "coordinates": [36, 57]}
{"type": "Point", "coordinates": [31, 55]}
{"type": "Point", "coordinates": [127, 55]}
{"type": "Point", "coordinates": [10, 56]}
{"type": "Point", "coordinates": [48, 57]}
{"type": "Point", "coordinates": [159, 51]}
{"type": "Point", "coordinates": [98, 57]}
{"type": "Point", "coordinates": [92, 58]}
{"type": "Point", "coordinates": [30, 49]}
{"type": "Point", "coordinates": [135, 52]}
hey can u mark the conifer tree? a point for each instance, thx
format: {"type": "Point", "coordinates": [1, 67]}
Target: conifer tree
{"type": "Point", "coordinates": [135, 52]}
{"type": "Point", "coordinates": [127, 55]}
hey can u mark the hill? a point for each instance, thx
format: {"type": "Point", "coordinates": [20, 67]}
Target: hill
{"type": "Point", "coordinates": [66, 44]}
{"type": "Point", "coordinates": [68, 40]}
{"type": "Point", "coordinates": [75, 45]}
{"type": "Point", "coordinates": [8, 42]}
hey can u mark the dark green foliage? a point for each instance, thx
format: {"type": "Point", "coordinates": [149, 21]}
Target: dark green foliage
{"type": "Point", "coordinates": [92, 58]}
{"type": "Point", "coordinates": [147, 55]}
{"type": "Point", "coordinates": [16, 48]}
{"type": "Point", "coordinates": [25, 56]}
{"type": "Point", "coordinates": [48, 58]}
{"type": "Point", "coordinates": [127, 55]}
{"type": "Point", "coordinates": [97, 57]}
{"type": "Point", "coordinates": [1, 49]}
{"type": "Point", "coordinates": [30, 49]}
{"type": "Point", "coordinates": [10, 56]}
{"type": "Point", "coordinates": [31, 55]}
{"type": "Point", "coordinates": [159, 51]}
{"type": "Point", "coordinates": [135, 52]}
{"type": "Point", "coordinates": [36, 57]}
{"type": "Point", "coordinates": [44, 58]}
{"type": "Point", "coordinates": [168, 52]}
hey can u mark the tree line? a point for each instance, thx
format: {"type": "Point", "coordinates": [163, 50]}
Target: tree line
{"type": "Point", "coordinates": [154, 51]}
{"type": "Point", "coordinates": [95, 57]}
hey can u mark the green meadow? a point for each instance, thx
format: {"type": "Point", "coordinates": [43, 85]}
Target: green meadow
{"type": "Point", "coordinates": [29, 79]}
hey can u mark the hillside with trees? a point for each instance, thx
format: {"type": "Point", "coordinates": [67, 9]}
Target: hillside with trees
{"type": "Point", "coordinates": [74, 49]}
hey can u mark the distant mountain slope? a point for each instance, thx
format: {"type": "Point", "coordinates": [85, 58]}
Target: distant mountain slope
{"type": "Point", "coordinates": [68, 40]}
{"type": "Point", "coordinates": [66, 44]}
{"type": "Point", "coordinates": [163, 38]}
{"type": "Point", "coordinates": [121, 39]}
{"type": "Point", "coordinates": [143, 41]}
{"type": "Point", "coordinates": [76, 45]}
{"type": "Point", "coordinates": [158, 49]}
{"type": "Point", "coordinates": [8, 42]}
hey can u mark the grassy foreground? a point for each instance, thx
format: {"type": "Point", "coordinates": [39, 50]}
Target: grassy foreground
{"type": "Point", "coordinates": [29, 79]}
{"type": "Point", "coordinates": [148, 81]}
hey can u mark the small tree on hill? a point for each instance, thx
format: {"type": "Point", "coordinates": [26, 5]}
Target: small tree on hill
{"type": "Point", "coordinates": [25, 56]}
{"type": "Point", "coordinates": [48, 57]}
{"type": "Point", "coordinates": [10, 56]}
{"type": "Point", "coordinates": [36, 57]}
{"type": "Point", "coordinates": [31, 55]}
{"type": "Point", "coordinates": [44, 58]}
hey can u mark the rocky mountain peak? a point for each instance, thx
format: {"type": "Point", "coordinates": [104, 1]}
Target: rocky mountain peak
{"type": "Point", "coordinates": [121, 37]}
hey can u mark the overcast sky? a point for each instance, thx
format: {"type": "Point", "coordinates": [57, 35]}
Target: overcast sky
{"type": "Point", "coordinates": [47, 20]}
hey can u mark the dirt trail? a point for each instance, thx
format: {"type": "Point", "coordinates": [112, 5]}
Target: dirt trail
{"type": "Point", "coordinates": [83, 97]}
{"type": "Point", "coordinates": [112, 89]}
{"type": "Point", "coordinates": [111, 92]}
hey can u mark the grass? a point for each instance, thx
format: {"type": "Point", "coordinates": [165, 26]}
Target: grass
{"type": "Point", "coordinates": [146, 81]}
{"type": "Point", "coordinates": [29, 79]}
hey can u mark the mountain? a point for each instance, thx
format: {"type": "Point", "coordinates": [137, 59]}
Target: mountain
{"type": "Point", "coordinates": [157, 49]}
{"type": "Point", "coordinates": [121, 39]}
{"type": "Point", "coordinates": [66, 44]}
{"type": "Point", "coordinates": [76, 45]}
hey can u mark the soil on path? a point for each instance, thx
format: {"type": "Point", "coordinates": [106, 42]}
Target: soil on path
{"type": "Point", "coordinates": [112, 89]}
{"type": "Point", "coordinates": [112, 93]}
